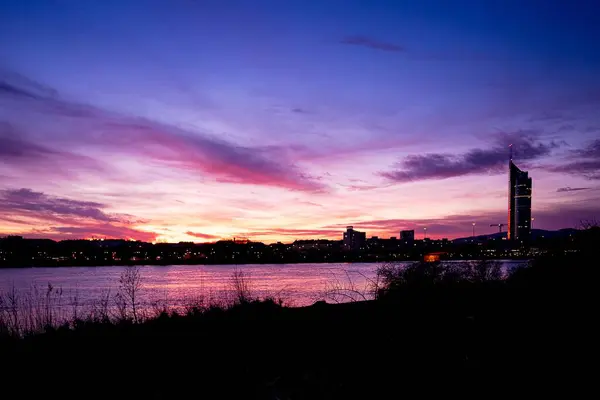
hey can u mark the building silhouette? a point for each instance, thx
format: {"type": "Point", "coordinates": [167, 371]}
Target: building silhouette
{"type": "Point", "coordinates": [407, 237]}
{"type": "Point", "coordinates": [354, 240]}
{"type": "Point", "coordinates": [519, 202]}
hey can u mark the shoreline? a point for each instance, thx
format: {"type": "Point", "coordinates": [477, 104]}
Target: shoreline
{"type": "Point", "coordinates": [171, 264]}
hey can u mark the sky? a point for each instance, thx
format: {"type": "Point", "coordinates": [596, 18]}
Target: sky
{"type": "Point", "coordinates": [187, 120]}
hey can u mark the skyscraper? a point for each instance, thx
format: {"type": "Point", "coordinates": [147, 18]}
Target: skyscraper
{"type": "Point", "coordinates": [519, 202]}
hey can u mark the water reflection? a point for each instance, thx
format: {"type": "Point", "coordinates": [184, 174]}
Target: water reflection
{"type": "Point", "coordinates": [295, 284]}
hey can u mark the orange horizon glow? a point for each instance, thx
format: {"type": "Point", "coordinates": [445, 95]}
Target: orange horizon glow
{"type": "Point", "coordinates": [200, 131]}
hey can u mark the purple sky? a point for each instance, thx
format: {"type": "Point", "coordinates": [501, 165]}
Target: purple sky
{"type": "Point", "coordinates": [276, 120]}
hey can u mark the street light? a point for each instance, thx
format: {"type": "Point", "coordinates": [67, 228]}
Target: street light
{"type": "Point", "coordinates": [424, 233]}
{"type": "Point", "coordinates": [473, 230]}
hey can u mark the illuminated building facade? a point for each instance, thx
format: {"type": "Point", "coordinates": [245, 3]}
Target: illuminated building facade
{"type": "Point", "coordinates": [519, 203]}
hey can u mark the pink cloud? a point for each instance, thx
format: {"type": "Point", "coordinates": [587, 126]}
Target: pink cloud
{"type": "Point", "coordinates": [77, 219]}
{"type": "Point", "coordinates": [208, 155]}
{"type": "Point", "coordinates": [96, 129]}
{"type": "Point", "coordinates": [201, 235]}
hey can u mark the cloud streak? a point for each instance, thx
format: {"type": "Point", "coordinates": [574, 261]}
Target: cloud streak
{"type": "Point", "coordinates": [75, 218]}
{"type": "Point", "coordinates": [31, 204]}
{"type": "Point", "coordinates": [570, 189]}
{"type": "Point", "coordinates": [476, 161]}
{"type": "Point", "coordinates": [586, 162]}
{"type": "Point", "coordinates": [202, 235]}
{"type": "Point", "coordinates": [96, 129]}
{"type": "Point", "coordinates": [17, 85]}
{"type": "Point", "coordinates": [366, 41]}
{"type": "Point", "coordinates": [16, 150]}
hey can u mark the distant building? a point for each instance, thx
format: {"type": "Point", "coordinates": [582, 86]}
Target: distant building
{"type": "Point", "coordinates": [312, 244]}
{"type": "Point", "coordinates": [354, 240]}
{"type": "Point", "coordinates": [407, 237]}
{"type": "Point", "coordinates": [437, 242]}
{"type": "Point", "coordinates": [374, 242]}
{"type": "Point", "coordinates": [519, 203]}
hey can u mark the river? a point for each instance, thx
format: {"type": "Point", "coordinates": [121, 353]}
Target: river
{"type": "Point", "coordinates": [296, 284]}
{"type": "Point", "coordinates": [178, 286]}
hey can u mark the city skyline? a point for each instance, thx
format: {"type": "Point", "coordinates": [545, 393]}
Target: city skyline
{"type": "Point", "coordinates": [193, 122]}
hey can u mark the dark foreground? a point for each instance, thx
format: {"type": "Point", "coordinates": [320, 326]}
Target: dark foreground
{"type": "Point", "coordinates": [532, 334]}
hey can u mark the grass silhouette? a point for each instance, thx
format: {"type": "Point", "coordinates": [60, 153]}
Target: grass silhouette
{"type": "Point", "coordinates": [433, 329]}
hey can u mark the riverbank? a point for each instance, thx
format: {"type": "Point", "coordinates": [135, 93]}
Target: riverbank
{"type": "Point", "coordinates": [428, 332]}
{"type": "Point", "coordinates": [141, 263]}
{"type": "Point", "coordinates": [20, 252]}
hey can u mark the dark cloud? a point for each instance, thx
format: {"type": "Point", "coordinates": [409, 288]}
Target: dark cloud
{"type": "Point", "coordinates": [26, 202]}
{"type": "Point", "coordinates": [591, 151]}
{"type": "Point", "coordinates": [92, 128]}
{"type": "Point", "coordinates": [526, 145]}
{"type": "Point", "coordinates": [587, 169]}
{"type": "Point", "coordinates": [14, 84]}
{"type": "Point", "coordinates": [570, 189]}
{"type": "Point", "coordinates": [366, 41]}
{"type": "Point", "coordinates": [201, 235]}
{"type": "Point", "coordinates": [8, 89]}
{"type": "Point", "coordinates": [585, 162]}
{"type": "Point", "coordinates": [17, 150]}
{"type": "Point", "coordinates": [14, 147]}
{"type": "Point", "coordinates": [77, 219]}
{"type": "Point", "coordinates": [38, 97]}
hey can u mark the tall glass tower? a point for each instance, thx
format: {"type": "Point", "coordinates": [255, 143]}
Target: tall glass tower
{"type": "Point", "coordinates": [519, 202]}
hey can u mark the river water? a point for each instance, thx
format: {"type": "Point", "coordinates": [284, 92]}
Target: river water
{"type": "Point", "coordinates": [177, 285]}
{"type": "Point", "coordinates": [296, 284]}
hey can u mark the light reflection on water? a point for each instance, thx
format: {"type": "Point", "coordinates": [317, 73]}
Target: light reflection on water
{"type": "Point", "coordinates": [296, 284]}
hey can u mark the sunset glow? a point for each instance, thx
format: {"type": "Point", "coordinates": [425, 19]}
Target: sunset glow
{"type": "Point", "coordinates": [191, 122]}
